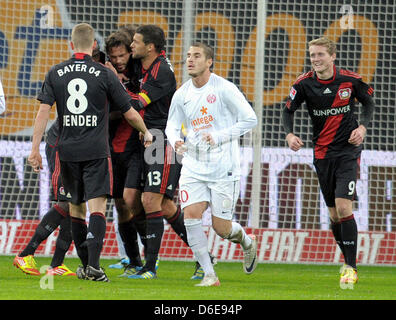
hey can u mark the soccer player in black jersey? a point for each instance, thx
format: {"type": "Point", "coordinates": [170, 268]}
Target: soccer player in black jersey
{"type": "Point", "coordinates": [330, 93]}
{"type": "Point", "coordinates": [161, 171]}
{"type": "Point", "coordinates": [82, 90]}
{"type": "Point", "coordinates": [125, 145]}
{"type": "Point", "coordinates": [126, 153]}
{"type": "Point", "coordinates": [57, 215]}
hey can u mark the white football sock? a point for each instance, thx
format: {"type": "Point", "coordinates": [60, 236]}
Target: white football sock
{"type": "Point", "coordinates": [238, 235]}
{"type": "Point", "coordinates": [198, 243]}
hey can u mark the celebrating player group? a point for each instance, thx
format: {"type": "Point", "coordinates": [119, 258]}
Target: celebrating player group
{"type": "Point", "coordinates": [125, 132]}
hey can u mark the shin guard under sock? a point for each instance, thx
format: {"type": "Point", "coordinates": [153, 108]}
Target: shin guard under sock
{"type": "Point", "coordinates": [140, 223]}
{"type": "Point", "coordinates": [177, 224]}
{"type": "Point", "coordinates": [349, 235]}
{"type": "Point", "coordinates": [199, 244]}
{"type": "Point", "coordinates": [95, 236]}
{"type": "Point", "coordinates": [128, 235]}
{"type": "Point", "coordinates": [47, 225]}
{"type": "Point", "coordinates": [79, 234]}
{"type": "Point", "coordinates": [336, 229]}
{"type": "Point", "coordinates": [155, 230]}
{"type": "Point", "coordinates": [63, 242]}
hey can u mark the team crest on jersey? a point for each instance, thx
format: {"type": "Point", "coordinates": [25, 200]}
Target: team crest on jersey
{"type": "Point", "coordinates": [345, 93]}
{"type": "Point", "coordinates": [293, 93]}
{"type": "Point", "coordinates": [211, 98]}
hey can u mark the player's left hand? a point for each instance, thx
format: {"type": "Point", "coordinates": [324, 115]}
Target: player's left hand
{"type": "Point", "coordinates": [180, 147]}
{"type": "Point", "coordinates": [147, 138]}
{"type": "Point", "coordinates": [357, 135]}
{"type": "Point", "coordinates": [35, 161]}
{"type": "Point", "coordinates": [111, 67]}
{"type": "Point", "coordinates": [207, 137]}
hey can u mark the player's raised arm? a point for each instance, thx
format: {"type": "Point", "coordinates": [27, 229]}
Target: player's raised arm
{"type": "Point", "coordinates": [136, 121]}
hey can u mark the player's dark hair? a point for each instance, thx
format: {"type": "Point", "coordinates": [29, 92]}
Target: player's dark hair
{"type": "Point", "coordinates": [98, 55]}
{"type": "Point", "coordinates": [129, 30]}
{"type": "Point", "coordinates": [118, 39]}
{"type": "Point", "coordinates": [153, 34]}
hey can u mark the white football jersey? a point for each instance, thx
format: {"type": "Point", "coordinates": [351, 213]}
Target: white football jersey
{"type": "Point", "coordinates": [2, 99]}
{"type": "Point", "coordinates": [218, 108]}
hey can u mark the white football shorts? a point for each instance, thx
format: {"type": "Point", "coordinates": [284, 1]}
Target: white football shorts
{"type": "Point", "coordinates": [222, 196]}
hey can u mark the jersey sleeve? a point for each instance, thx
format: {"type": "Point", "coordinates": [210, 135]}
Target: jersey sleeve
{"type": "Point", "coordinates": [117, 94]}
{"type": "Point", "coordinates": [175, 119]}
{"type": "Point", "coordinates": [160, 82]}
{"type": "Point", "coordinates": [363, 91]}
{"type": "Point", "coordinates": [46, 94]}
{"type": "Point", "coordinates": [295, 98]}
{"type": "Point", "coordinates": [364, 94]}
{"type": "Point", "coordinates": [240, 107]}
{"type": "Point", "coordinates": [2, 99]}
{"type": "Point", "coordinates": [293, 102]}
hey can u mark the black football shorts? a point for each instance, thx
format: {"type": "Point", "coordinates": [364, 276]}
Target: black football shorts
{"type": "Point", "coordinates": [87, 179]}
{"type": "Point", "coordinates": [161, 170]}
{"type": "Point", "coordinates": [128, 171]}
{"type": "Point", "coordinates": [57, 190]}
{"type": "Point", "coordinates": [337, 178]}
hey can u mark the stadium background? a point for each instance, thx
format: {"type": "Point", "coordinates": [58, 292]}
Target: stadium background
{"type": "Point", "coordinates": [280, 198]}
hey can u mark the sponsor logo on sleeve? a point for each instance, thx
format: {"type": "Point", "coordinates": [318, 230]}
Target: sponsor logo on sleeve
{"type": "Point", "coordinates": [293, 93]}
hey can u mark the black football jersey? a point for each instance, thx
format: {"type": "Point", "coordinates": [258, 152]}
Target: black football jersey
{"type": "Point", "coordinates": [157, 86]}
{"type": "Point", "coordinates": [82, 90]}
{"type": "Point", "coordinates": [123, 137]}
{"type": "Point", "coordinates": [331, 106]}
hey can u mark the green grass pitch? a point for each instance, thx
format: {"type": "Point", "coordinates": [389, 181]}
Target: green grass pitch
{"type": "Point", "coordinates": [268, 282]}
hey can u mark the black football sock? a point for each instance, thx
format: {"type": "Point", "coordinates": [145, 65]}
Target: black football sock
{"type": "Point", "coordinates": [47, 225]}
{"type": "Point", "coordinates": [349, 235]}
{"type": "Point", "coordinates": [155, 230]}
{"type": "Point", "coordinates": [141, 227]}
{"type": "Point", "coordinates": [128, 235]}
{"type": "Point", "coordinates": [79, 234]}
{"type": "Point", "coordinates": [336, 229]}
{"type": "Point", "coordinates": [177, 224]}
{"type": "Point", "coordinates": [95, 236]}
{"type": "Point", "coordinates": [63, 242]}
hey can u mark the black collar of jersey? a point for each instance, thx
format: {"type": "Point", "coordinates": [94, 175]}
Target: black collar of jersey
{"type": "Point", "coordinates": [335, 71]}
{"type": "Point", "coordinates": [81, 56]}
{"type": "Point", "coordinates": [161, 56]}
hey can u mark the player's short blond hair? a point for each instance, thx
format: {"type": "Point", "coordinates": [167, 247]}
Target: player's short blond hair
{"type": "Point", "coordinates": [325, 42]}
{"type": "Point", "coordinates": [83, 36]}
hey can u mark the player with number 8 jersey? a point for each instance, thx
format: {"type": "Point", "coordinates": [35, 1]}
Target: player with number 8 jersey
{"type": "Point", "coordinates": [83, 124]}
{"type": "Point", "coordinates": [82, 90]}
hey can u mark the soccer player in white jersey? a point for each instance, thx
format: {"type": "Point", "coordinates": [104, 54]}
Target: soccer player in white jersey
{"type": "Point", "coordinates": [215, 114]}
